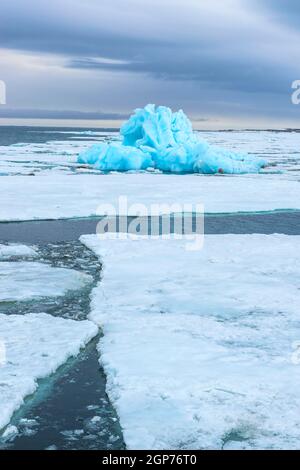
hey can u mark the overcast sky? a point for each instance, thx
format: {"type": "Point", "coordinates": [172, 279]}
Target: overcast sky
{"type": "Point", "coordinates": [223, 62]}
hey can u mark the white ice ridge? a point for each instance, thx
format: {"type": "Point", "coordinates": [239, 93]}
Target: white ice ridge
{"type": "Point", "coordinates": [33, 346]}
{"type": "Point", "coordinates": [201, 349]}
{"type": "Point", "coordinates": [62, 196]}
{"type": "Point", "coordinates": [13, 250]}
{"type": "Point", "coordinates": [26, 280]}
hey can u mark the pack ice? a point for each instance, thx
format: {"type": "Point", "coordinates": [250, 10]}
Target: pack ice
{"type": "Point", "coordinates": [201, 349]}
{"type": "Point", "coordinates": [155, 137]}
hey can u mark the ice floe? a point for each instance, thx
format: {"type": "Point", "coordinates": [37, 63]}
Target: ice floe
{"type": "Point", "coordinates": [201, 349]}
{"type": "Point", "coordinates": [13, 250]}
{"type": "Point", "coordinates": [35, 345]}
{"type": "Point", "coordinates": [156, 137]}
{"type": "Point", "coordinates": [27, 280]}
{"type": "Point", "coordinates": [64, 196]}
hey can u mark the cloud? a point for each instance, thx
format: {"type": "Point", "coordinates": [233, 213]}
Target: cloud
{"type": "Point", "coordinates": [244, 51]}
{"type": "Point", "coordinates": [282, 11]}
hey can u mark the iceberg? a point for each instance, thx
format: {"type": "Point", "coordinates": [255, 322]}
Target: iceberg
{"type": "Point", "coordinates": [155, 137]}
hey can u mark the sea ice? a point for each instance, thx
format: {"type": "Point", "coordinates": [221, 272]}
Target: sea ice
{"type": "Point", "coordinates": [31, 280]}
{"type": "Point", "coordinates": [15, 251]}
{"type": "Point", "coordinates": [35, 346]}
{"type": "Point", "coordinates": [156, 137]}
{"type": "Point", "coordinates": [63, 196]}
{"type": "Point", "coordinates": [201, 349]}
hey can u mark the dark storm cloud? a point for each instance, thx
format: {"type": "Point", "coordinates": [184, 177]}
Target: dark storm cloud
{"type": "Point", "coordinates": [244, 76]}
{"type": "Point", "coordinates": [72, 27]}
{"type": "Point", "coordinates": [81, 30]}
{"type": "Point", "coordinates": [236, 45]}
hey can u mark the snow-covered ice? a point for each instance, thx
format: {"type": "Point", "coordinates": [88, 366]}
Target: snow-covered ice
{"type": "Point", "coordinates": [35, 345]}
{"type": "Point", "coordinates": [201, 349]}
{"type": "Point", "coordinates": [154, 137]}
{"type": "Point", "coordinates": [63, 196]}
{"type": "Point", "coordinates": [27, 280]}
{"type": "Point", "coordinates": [13, 250]}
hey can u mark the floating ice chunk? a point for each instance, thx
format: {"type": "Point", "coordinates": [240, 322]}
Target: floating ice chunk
{"type": "Point", "coordinates": [156, 137]}
{"type": "Point", "coordinates": [14, 251]}
{"type": "Point", "coordinates": [10, 432]}
{"type": "Point", "coordinates": [36, 345]}
{"type": "Point", "coordinates": [64, 196]}
{"type": "Point", "coordinates": [199, 348]}
{"type": "Point", "coordinates": [31, 280]}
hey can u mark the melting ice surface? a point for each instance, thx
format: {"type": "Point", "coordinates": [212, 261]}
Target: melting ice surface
{"type": "Point", "coordinates": [157, 138]}
{"type": "Point", "coordinates": [26, 280]}
{"type": "Point", "coordinates": [14, 250]}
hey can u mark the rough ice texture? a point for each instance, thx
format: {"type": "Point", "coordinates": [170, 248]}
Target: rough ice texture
{"type": "Point", "coordinates": [61, 196]}
{"type": "Point", "coordinates": [198, 347]}
{"type": "Point", "coordinates": [31, 280]}
{"type": "Point", "coordinates": [13, 250]}
{"type": "Point", "coordinates": [156, 137]}
{"type": "Point", "coordinates": [35, 346]}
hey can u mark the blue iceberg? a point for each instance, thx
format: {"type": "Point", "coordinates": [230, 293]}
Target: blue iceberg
{"type": "Point", "coordinates": [155, 137]}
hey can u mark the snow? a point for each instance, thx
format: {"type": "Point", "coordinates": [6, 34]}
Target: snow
{"type": "Point", "coordinates": [200, 348]}
{"type": "Point", "coordinates": [32, 280]}
{"type": "Point", "coordinates": [13, 250]}
{"type": "Point", "coordinates": [156, 137]}
{"type": "Point", "coordinates": [62, 196]}
{"type": "Point", "coordinates": [36, 345]}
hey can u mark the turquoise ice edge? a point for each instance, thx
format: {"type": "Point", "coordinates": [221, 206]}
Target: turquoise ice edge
{"type": "Point", "coordinates": [207, 214]}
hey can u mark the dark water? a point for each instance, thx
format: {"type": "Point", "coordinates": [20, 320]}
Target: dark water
{"type": "Point", "coordinates": [53, 231]}
{"type": "Point", "coordinates": [11, 135]}
{"type": "Point", "coordinates": [74, 305]}
{"type": "Point", "coordinates": [70, 409]}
